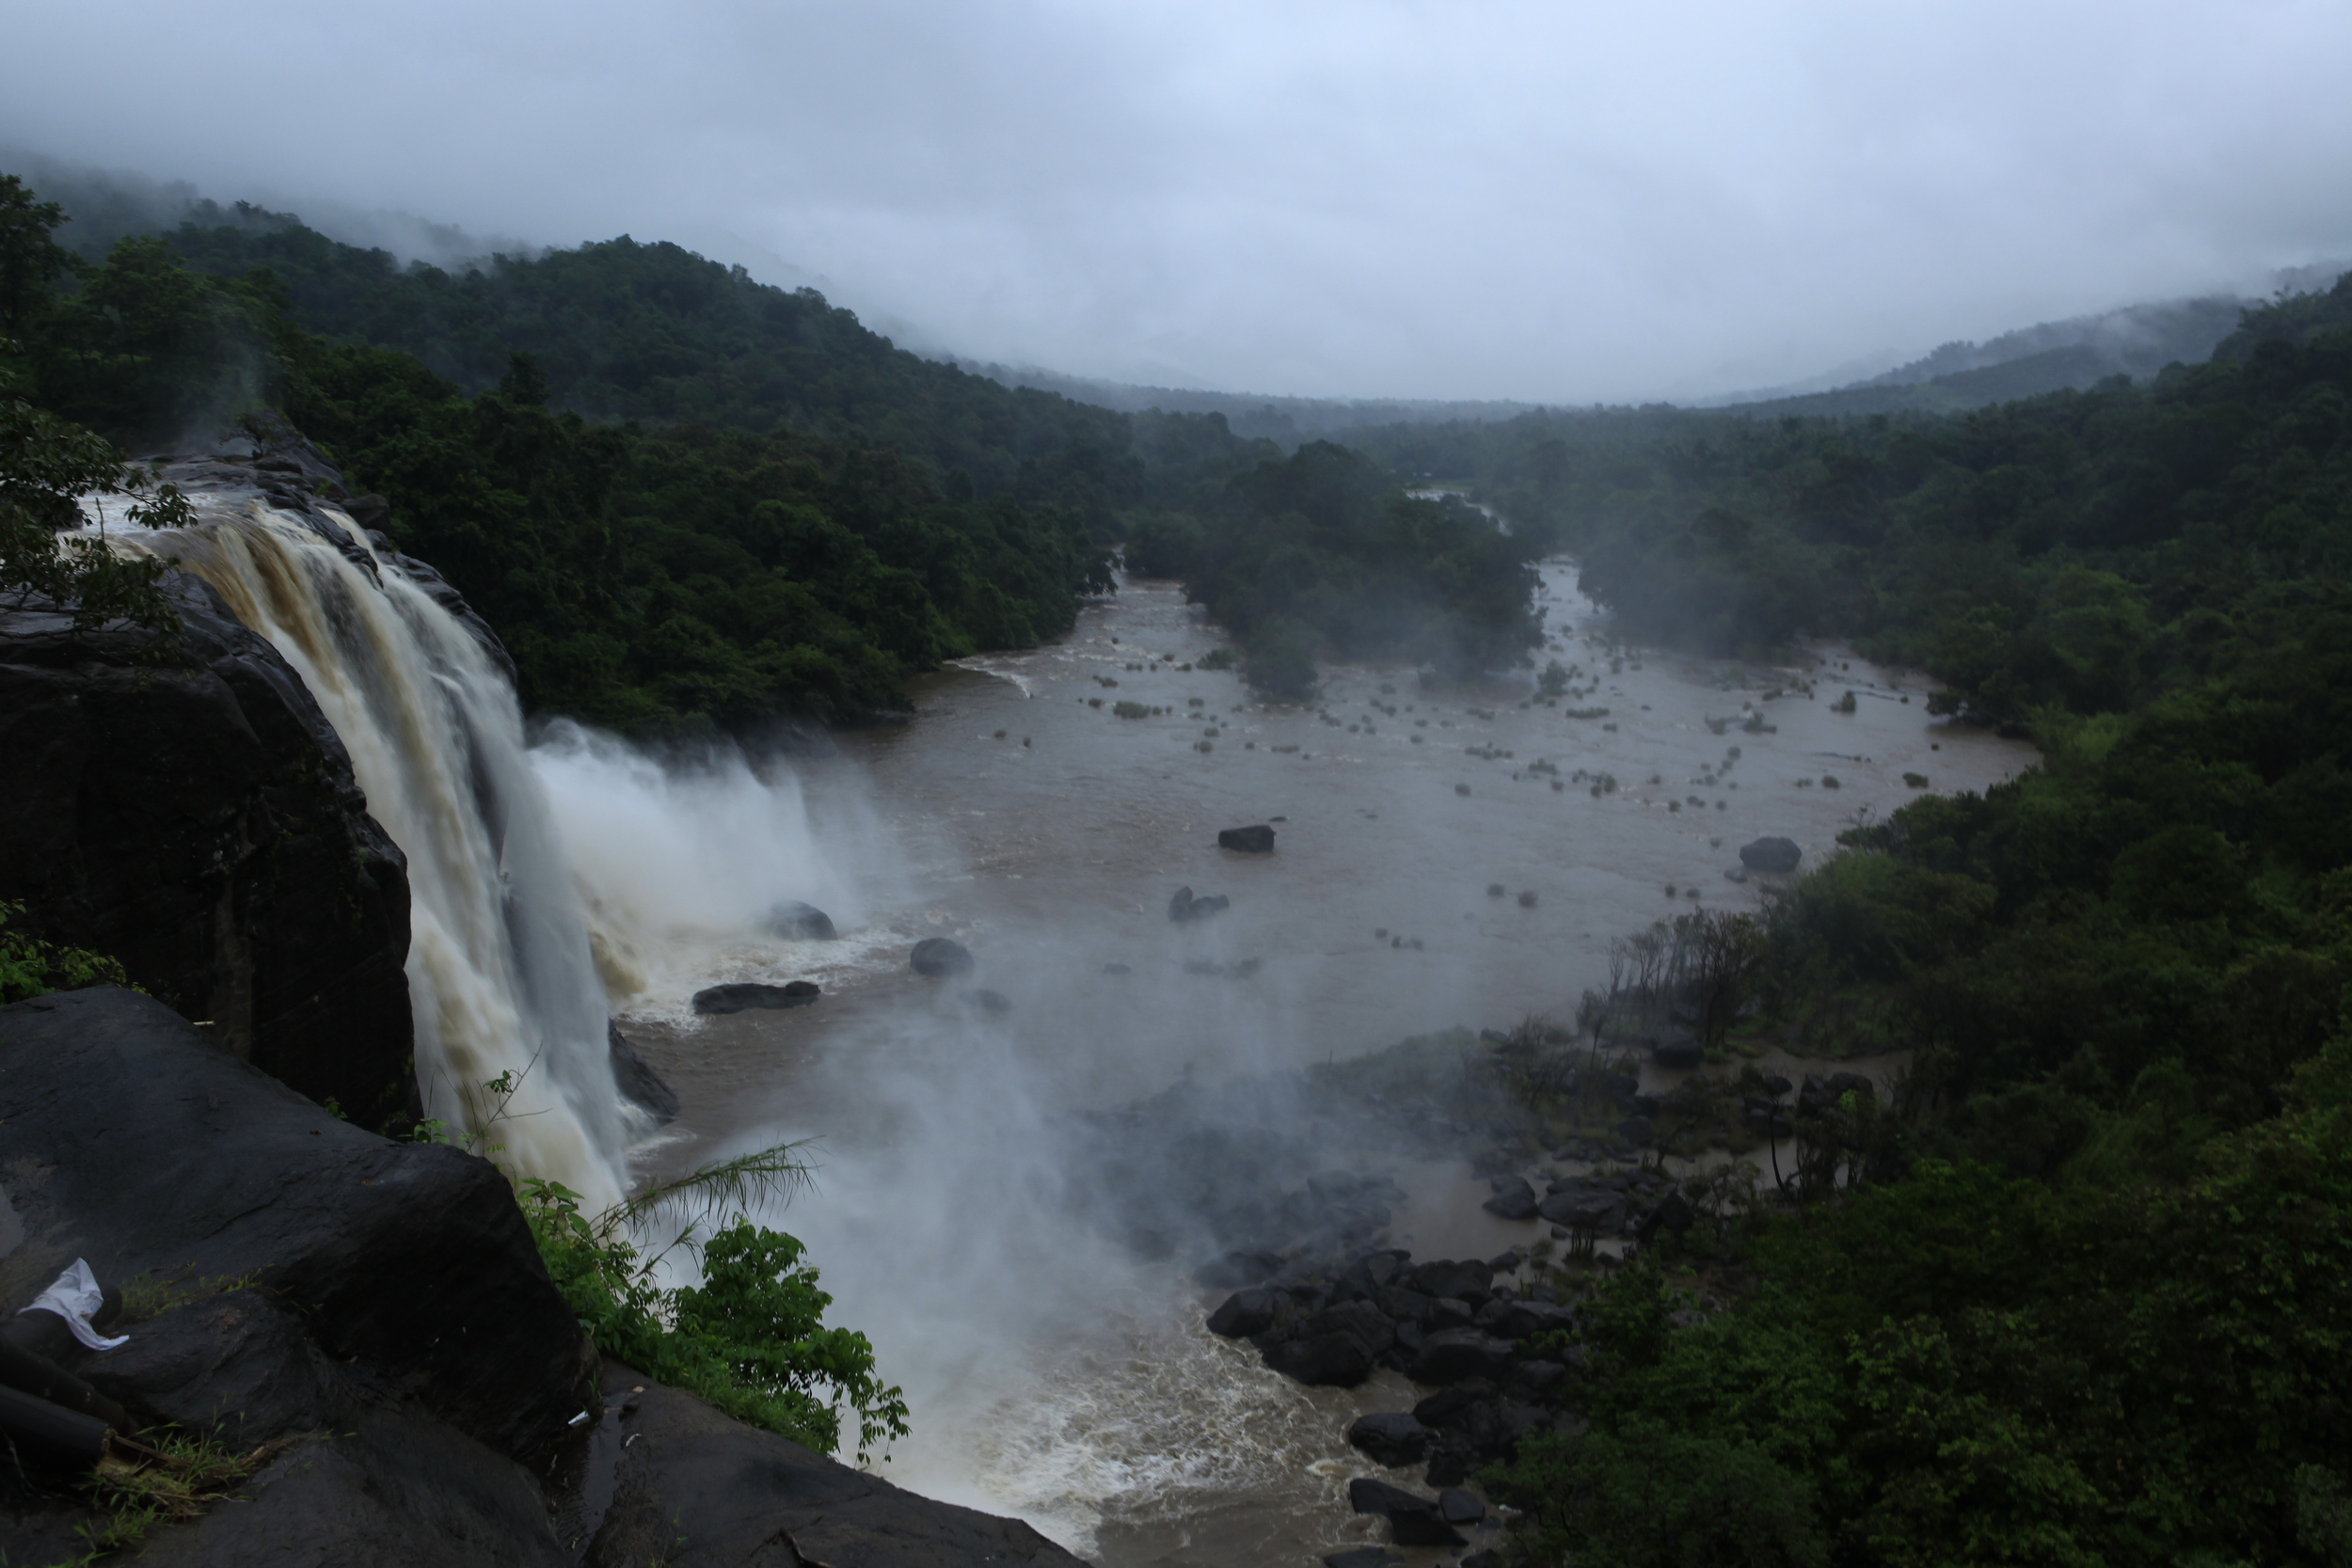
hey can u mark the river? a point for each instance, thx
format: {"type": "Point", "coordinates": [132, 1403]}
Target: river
{"type": "Point", "coordinates": [1444, 857]}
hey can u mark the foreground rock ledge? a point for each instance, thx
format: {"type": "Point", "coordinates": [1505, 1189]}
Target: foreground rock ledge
{"type": "Point", "coordinates": [397, 1309]}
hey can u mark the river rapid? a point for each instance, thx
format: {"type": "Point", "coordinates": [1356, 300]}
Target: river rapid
{"type": "Point", "coordinates": [1444, 857]}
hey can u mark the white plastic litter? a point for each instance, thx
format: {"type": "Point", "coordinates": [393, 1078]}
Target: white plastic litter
{"type": "Point", "coordinates": [73, 1297]}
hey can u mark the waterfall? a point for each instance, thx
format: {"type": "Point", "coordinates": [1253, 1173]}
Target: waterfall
{"type": "Point", "coordinates": [499, 973]}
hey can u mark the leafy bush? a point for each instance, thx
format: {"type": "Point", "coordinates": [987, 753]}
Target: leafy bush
{"type": "Point", "coordinates": [750, 1338]}
{"type": "Point", "coordinates": [30, 967]}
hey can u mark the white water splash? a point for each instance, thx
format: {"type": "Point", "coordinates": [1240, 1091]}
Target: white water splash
{"type": "Point", "coordinates": [500, 973]}
{"type": "Point", "coordinates": [680, 862]}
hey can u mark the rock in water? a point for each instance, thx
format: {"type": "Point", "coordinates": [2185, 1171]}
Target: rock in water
{"type": "Point", "coordinates": [1391, 1438]}
{"type": "Point", "coordinates": [1242, 1314]}
{"type": "Point", "coordinates": [1771, 854]}
{"type": "Point", "coordinates": [797, 922]}
{"type": "Point", "coordinates": [1257, 840]}
{"type": "Point", "coordinates": [937, 958]}
{"type": "Point", "coordinates": [743, 996]}
{"type": "Point", "coordinates": [1184, 905]}
{"type": "Point", "coordinates": [1413, 1519]}
{"type": "Point", "coordinates": [1513, 1200]}
{"type": "Point", "coordinates": [638, 1082]}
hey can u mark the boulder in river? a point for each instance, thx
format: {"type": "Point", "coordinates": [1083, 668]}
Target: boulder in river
{"type": "Point", "coordinates": [638, 1082]}
{"type": "Point", "coordinates": [1391, 1437]}
{"type": "Point", "coordinates": [797, 922]}
{"type": "Point", "coordinates": [1771, 854]}
{"type": "Point", "coordinates": [1454, 1354]}
{"type": "Point", "coordinates": [743, 996]}
{"type": "Point", "coordinates": [1513, 1201]}
{"type": "Point", "coordinates": [1257, 840]}
{"type": "Point", "coordinates": [1413, 1519]}
{"type": "Point", "coordinates": [994, 1003]}
{"type": "Point", "coordinates": [1242, 1314]}
{"type": "Point", "coordinates": [1185, 907]}
{"type": "Point", "coordinates": [937, 958]}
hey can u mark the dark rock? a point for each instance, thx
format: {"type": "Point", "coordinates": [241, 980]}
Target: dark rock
{"type": "Point", "coordinates": [1538, 1380]}
{"type": "Point", "coordinates": [1586, 1208]}
{"type": "Point", "coordinates": [240, 1366]}
{"type": "Point", "coordinates": [1451, 1408]}
{"type": "Point", "coordinates": [1451, 1462]}
{"type": "Point", "coordinates": [638, 1082]}
{"type": "Point", "coordinates": [1362, 1319]}
{"type": "Point", "coordinates": [937, 958]}
{"type": "Point", "coordinates": [1242, 1314]}
{"type": "Point", "coordinates": [1406, 1306]}
{"type": "Point", "coordinates": [1323, 1360]}
{"type": "Point", "coordinates": [163, 1156]}
{"type": "Point", "coordinates": [192, 814]}
{"type": "Point", "coordinates": [1508, 1262]}
{"type": "Point", "coordinates": [989, 1000]}
{"type": "Point", "coordinates": [1413, 1519]}
{"type": "Point", "coordinates": [1183, 907]}
{"type": "Point", "coordinates": [797, 922]}
{"type": "Point", "coordinates": [1236, 1269]}
{"type": "Point", "coordinates": [1368, 1495]}
{"type": "Point", "coordinates": [743, 996]}
{"type": "Point", "coordinates": [1468, 1280]}
{"type": "Point", "coordinates": [694, 1487]}
{"type": "Point", "coordinates": [1679, 1051]}
{"type": "Point", "coordinates": [1456, 1506]}
{"type": "Point", "coordinates": [1520, 1319]}
{"type": "Point", "coordinates": [1363, 1556]}
{"type": "Point", "coordinates": [1779, 855]}
{"type": "Point", "coordinates": [1116, 968]}
{"type": "Point", "coordinates": [1482, 1560]}
{"type": "Point", "coordinates": [1449, 1312]}
{"type": "Point", "coordinates": [1513, 1200]}
{"type": "Point", "coordinates": [1674, 1212]}
{"type": "Point", "coordinates": [1452, 1355]}
{"type": "Point", "coordinates": [1637, 1132]}
{"type": "Point", "coordinates": [1391, 1437]}
{"type": "Point", "coordinates": [386, 1489]}
{"type": "Point", "coordinates": [1258, 840]}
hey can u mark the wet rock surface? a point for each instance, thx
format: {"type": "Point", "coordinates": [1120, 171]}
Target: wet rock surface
{"type": "Point", "coordinates": [743, 996]}
{"type": "Point", "coordinates": [192, 812]}
{"type": "Point", "coordinates": [639, 1084]}
{"type": "Point", "coordinates": [379, 1310]}
{"type": "Point", "coordinates": [797, 922]}
{"type": "Point", "coordinates": [938, 958]}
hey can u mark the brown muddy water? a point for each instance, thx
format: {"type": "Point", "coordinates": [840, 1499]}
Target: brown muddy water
{"type": "Point", "coordinates": [1050, 1374]}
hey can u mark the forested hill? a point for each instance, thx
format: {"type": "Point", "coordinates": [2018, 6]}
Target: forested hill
{"type": "Point", "coordinates": [656, 333]}
{"type": "Point", "coordinates": [689, 498]}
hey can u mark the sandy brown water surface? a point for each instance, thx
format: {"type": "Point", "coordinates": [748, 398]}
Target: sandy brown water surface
{"type": "Point", "coordinates": [1018, 814]}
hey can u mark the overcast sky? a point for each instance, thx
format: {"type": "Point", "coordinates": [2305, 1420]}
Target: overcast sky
{"type": "Point", "coordinates": [1562, 203]}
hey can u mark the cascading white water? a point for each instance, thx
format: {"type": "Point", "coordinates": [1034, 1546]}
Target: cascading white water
{"type": "Point", "coordinates": [500, 972]}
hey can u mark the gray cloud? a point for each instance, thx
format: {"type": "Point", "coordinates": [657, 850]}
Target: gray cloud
{"type": "Point", "coordinates": [1552, 201]}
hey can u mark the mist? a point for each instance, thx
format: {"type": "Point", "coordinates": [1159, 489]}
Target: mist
{"type": "Point", "coordinates": [1504, 201]}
